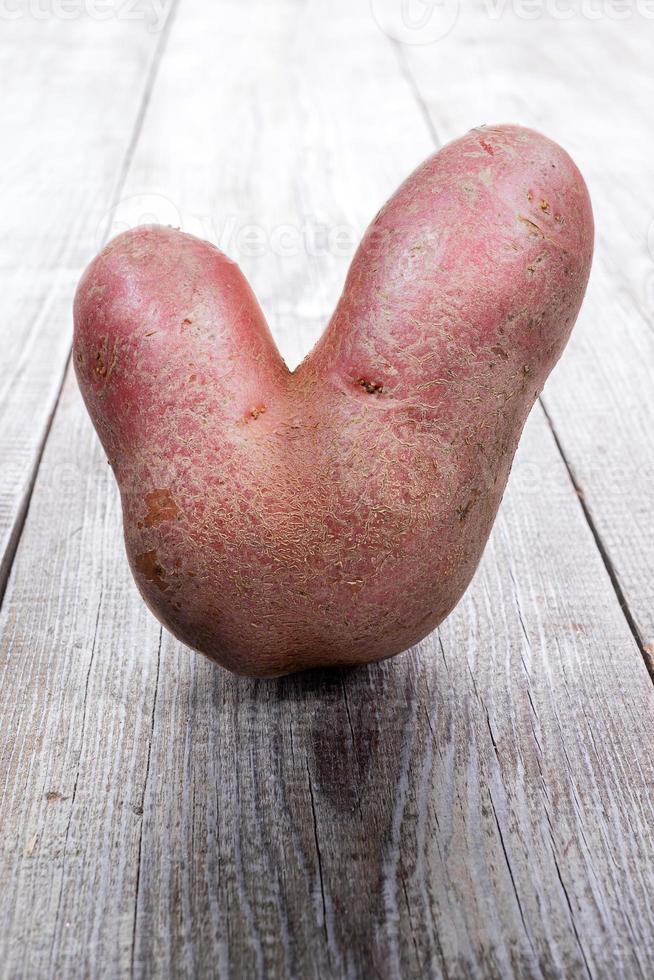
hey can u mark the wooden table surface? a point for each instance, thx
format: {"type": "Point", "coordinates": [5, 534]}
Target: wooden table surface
{"type": "Point", "coordinates": [482, 806]}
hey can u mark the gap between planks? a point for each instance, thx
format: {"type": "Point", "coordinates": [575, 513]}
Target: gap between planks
{"type": "Point", "coordinates": [7, 559]}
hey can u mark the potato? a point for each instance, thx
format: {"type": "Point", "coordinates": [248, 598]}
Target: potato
{"type": "Point", "coordinates": [279, 520]}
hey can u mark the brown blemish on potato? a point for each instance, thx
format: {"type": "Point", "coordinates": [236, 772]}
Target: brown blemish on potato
{"type": "Point", "coordinates": [500, 352]}
{"type": "Point", "coordinates": [463, 510]}
{"type": "Point", "coordinates": [531, 226]}
{"type": "Point", "coordinates": [487, 147]}
{"type": "Point", "coordinates": [103, 365]}
{"type": "Point", "coordinates": [531, 268]}
{"type": "Point", "coordinates": [148, 566]}
{"type": "Point", "coordinates": [186, 322]}
{"type": "Point", "coordinates": [255, 412]}
{"type": "Point", "coordinates": [370, 386]}
{"type": "Point", "coordinates": [530, 195]}
{"type": "Point", "coordinates": [545, 206]}
{"type": "Point", "coordinates": [101, 357]}
{"type": "Point", "coordinates": [161, 507]}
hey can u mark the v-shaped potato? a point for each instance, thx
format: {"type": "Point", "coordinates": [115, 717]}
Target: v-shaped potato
{"type": "Point", "coordinates": [279, 520]}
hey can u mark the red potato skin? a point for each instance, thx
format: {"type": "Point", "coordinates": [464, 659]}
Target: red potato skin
{"type": "Point", "coordinates": [279, 520]}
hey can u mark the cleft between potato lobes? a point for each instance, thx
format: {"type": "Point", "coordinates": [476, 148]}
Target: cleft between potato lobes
{"type": "Point", "coordinates": [278, 520]}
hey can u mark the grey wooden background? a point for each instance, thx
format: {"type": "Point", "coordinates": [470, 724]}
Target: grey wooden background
{"type": "Point", "coordinates": [481, 806]}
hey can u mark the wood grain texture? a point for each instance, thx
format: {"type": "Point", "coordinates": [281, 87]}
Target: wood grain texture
{"type": "Point", "coordinates": [601, 398]}
{"type": "Point", "coordinates": [480, 807]}
{"type": "Point", "coordinates": [72, 90]}
{"type": "Point", "coordinates": [76, 698]}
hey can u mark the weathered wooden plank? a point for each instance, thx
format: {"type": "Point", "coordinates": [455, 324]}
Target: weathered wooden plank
{"type": "Point", "coordinates": [592, 90]}
{"type": "Point", "coordinates": [71, 93]}
{"type": "Point", "coordinates": [77, 87]}
{"type": "Point", "coordinates": [76, 698]}
{"type": "Point", "coordinates": [478, 807]}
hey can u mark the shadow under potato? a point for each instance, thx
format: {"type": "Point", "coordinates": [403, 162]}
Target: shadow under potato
{"type": "Point", "coordinates": [328, 720]}
{"type": "Point", "coordinates": [299, 785]}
